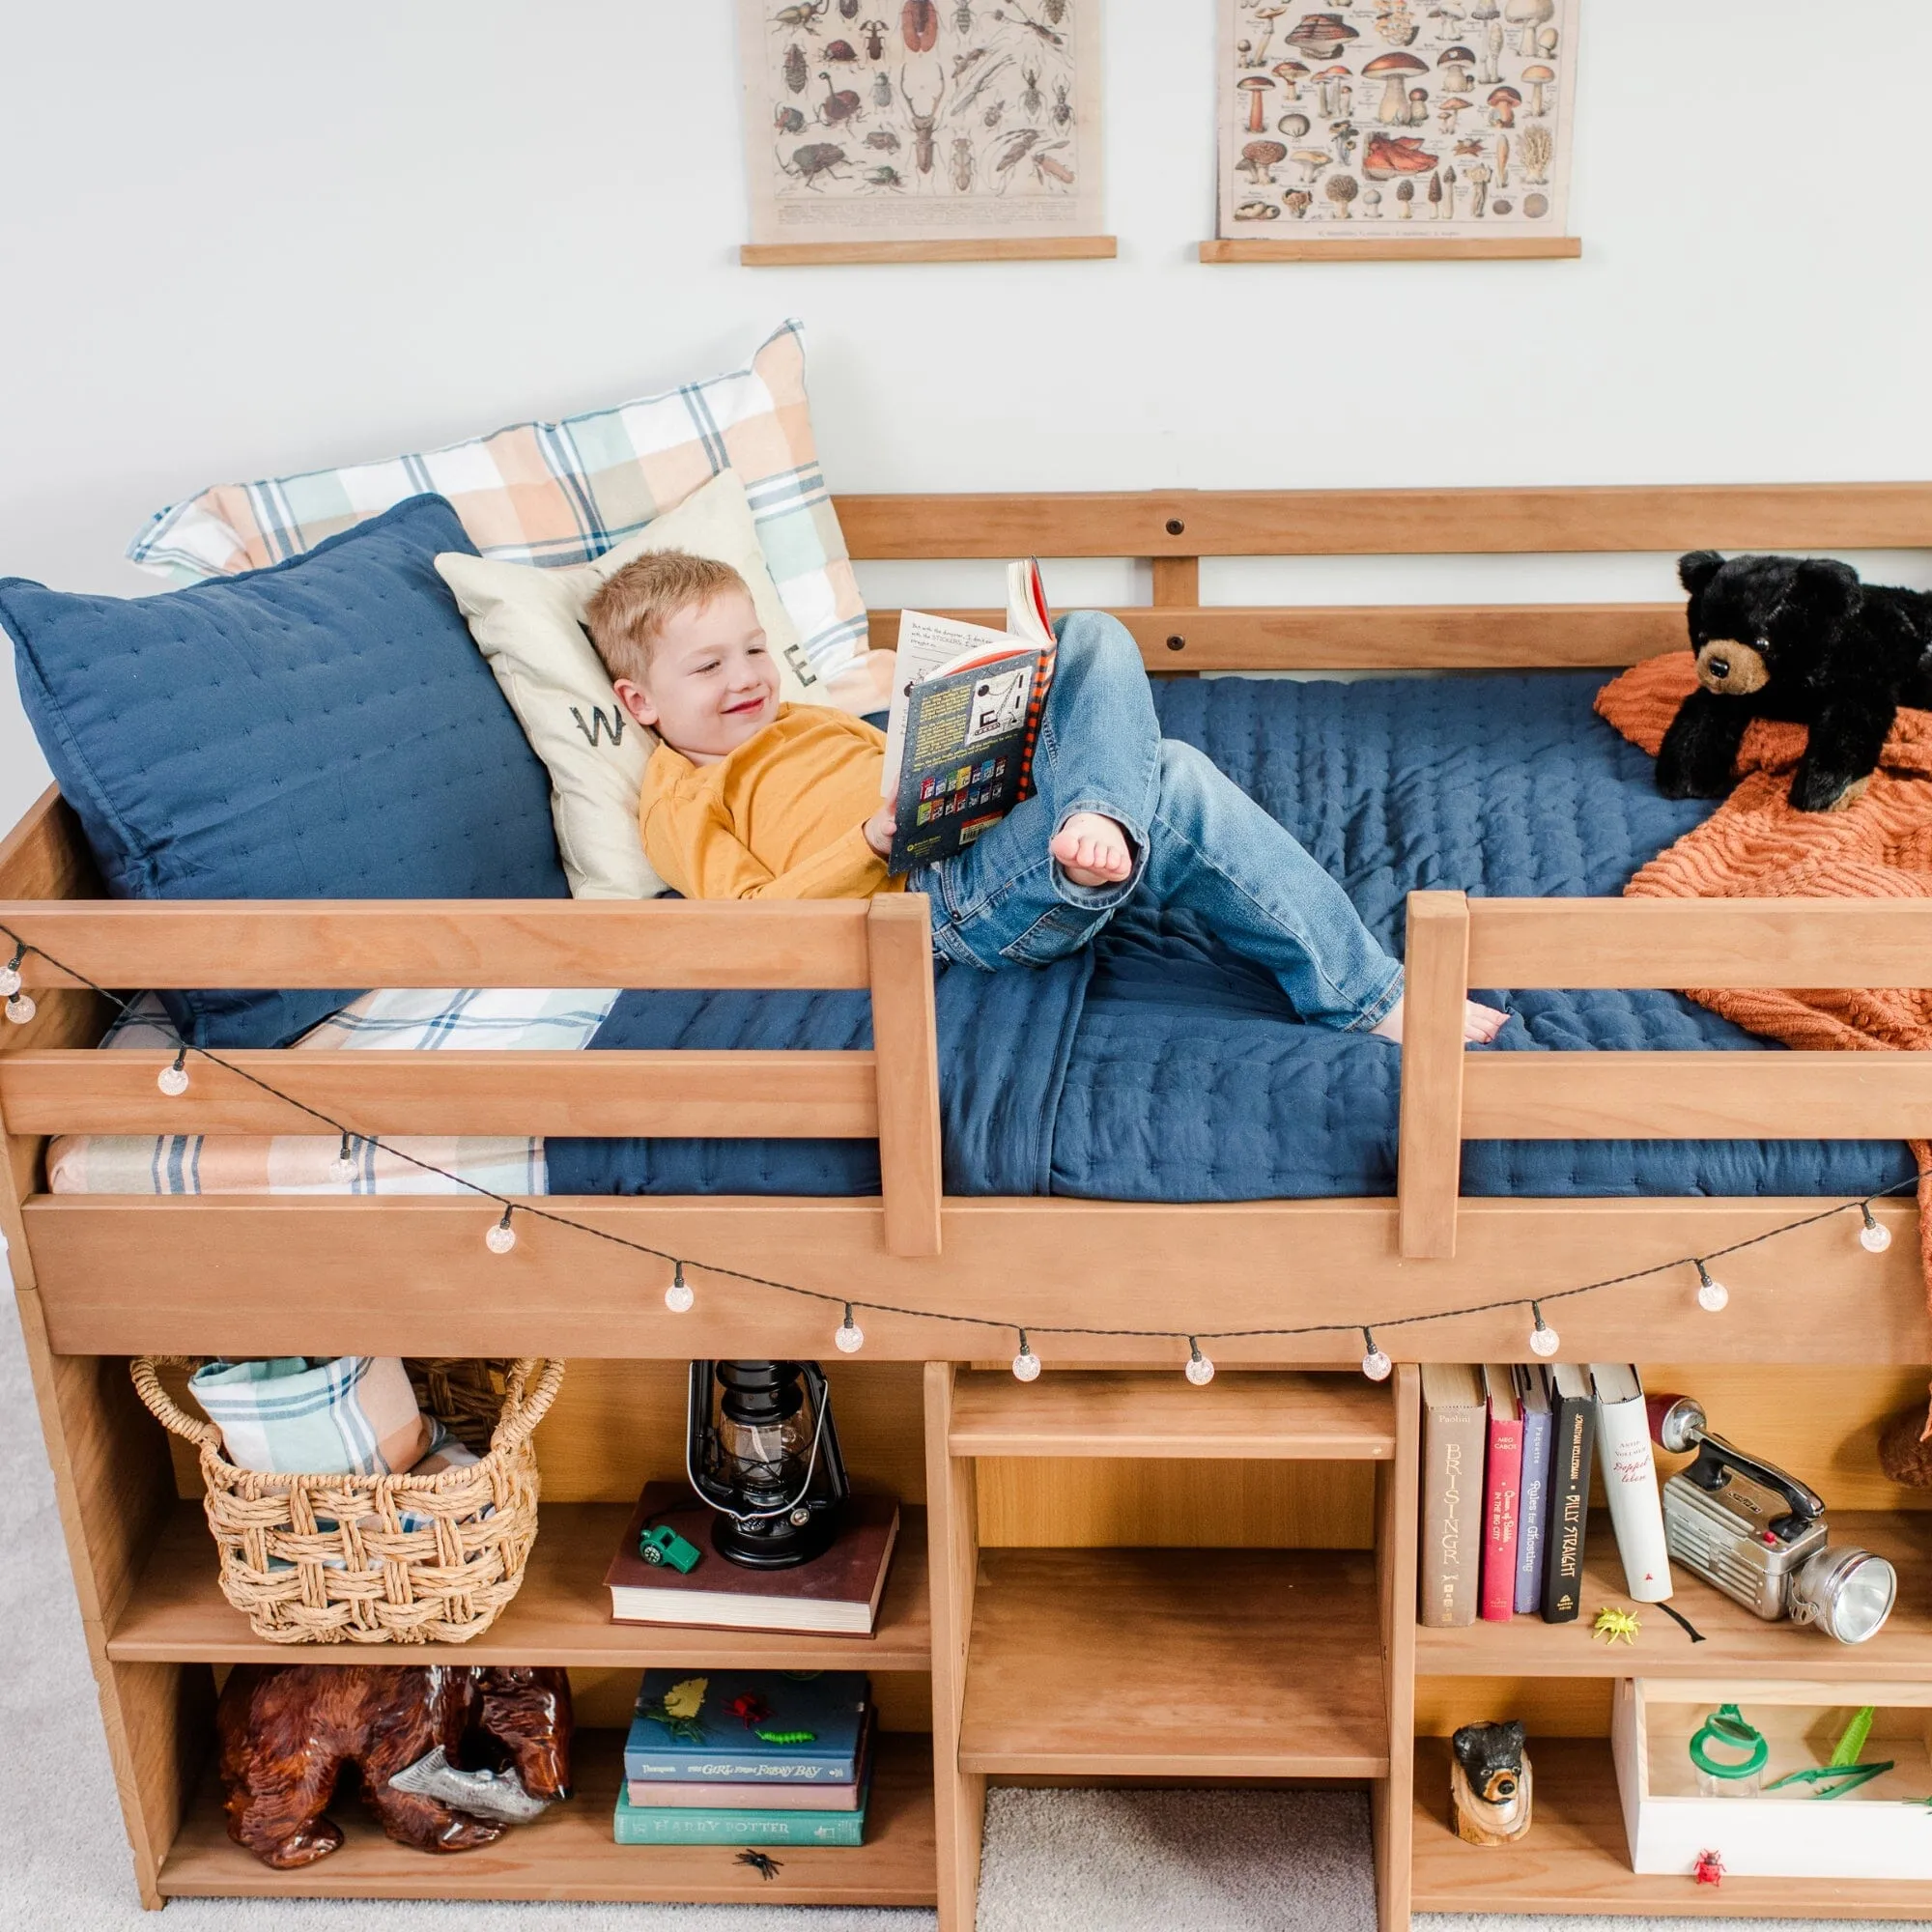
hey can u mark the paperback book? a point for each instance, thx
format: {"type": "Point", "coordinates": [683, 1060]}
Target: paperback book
{"type": "Point", "coordinates": [1573, 1436]}
{"type": "Point", "coordinates": [718, 1795]}
{"type": "Point", "coordinates": [746, 1726]}
{"type": "Point", "coordinates": [1502, 1486]}
{"type": "Point", "coordinates": [964, 718]}
{"type": "Point", "coordinates": [1532, 1394]}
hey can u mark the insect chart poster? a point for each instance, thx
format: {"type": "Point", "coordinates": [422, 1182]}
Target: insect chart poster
{"type": "Point", "coordinates": [872, 120]}
{"type": "Point", "coordinates": [1393, 118]}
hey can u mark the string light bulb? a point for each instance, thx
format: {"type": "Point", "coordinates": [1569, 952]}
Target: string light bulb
{"type": "Point", "coordinates": [1712, 1295]}
{"type": "Point", "coordinates": [1200, 1369]}
{"type": "Point", "coordinates": [10, 973]}
{"type": "Point", "coordinates": [20, 1008]}
{"type": "Point", "coordinates": [1544, 1339]}
{"type": "Point", "coordinates": [851, 1338]}
{"type": "Point", "coordinates": [343, 1166]}
{"type": "Point", "coordinates": [678, 1297]}
{"type": "Point", "coordinates": [1874, 1237]}
{"type": "Point", "coordinates": [1026, 1364]}
{"type": "Point", "coordinates": [173, 1080]}
{"type": "Point", "coordinates": [1376, 1365]}
{"type": "Point", "coordinates": [503, 1237]}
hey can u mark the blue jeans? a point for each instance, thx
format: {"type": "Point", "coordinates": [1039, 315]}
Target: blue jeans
{"type": "Point", "coordinates": [1201, 845]}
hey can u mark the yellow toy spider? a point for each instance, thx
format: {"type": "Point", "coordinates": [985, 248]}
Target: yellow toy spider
{"type": "Point", "coordinates": [1616, 1626]}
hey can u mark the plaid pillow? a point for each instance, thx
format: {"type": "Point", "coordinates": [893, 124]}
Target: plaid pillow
{"type": "Point", "coordinates": [563, 493]}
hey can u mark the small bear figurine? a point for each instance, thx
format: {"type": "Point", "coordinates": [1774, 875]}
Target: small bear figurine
{"type": "Point", "coordinates": [1802, 640]}
{"type": "Point", "coordinates": [1489, 1783]}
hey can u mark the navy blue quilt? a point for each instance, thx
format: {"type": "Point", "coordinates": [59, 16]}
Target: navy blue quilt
{"type": "Point", "coordinates": [1160, 1067]}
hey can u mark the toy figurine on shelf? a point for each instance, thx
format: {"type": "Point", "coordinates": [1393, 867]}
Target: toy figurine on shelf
{"type": "Point", "coordinates": [286, 1731]}
{"type": "Point", "coordinates": [1489, 1783]}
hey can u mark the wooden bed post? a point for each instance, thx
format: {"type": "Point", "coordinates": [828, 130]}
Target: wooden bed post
{"type": "Point", "coordinates": [1430, 1159]}
{"type": "Point", "coordinates": [905, 1044]}
{"type": "Point", "coordinates": [1392, 1798]}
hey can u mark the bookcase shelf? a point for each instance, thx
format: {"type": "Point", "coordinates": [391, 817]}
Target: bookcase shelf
{"type": "Point", "coordinates": [1186, 1663]}
{"type": "Point", "coordinates": [1575, 1857]}
{"type": "Point", "coordinates": [177, 1613]}
{"type": "Point", "coordinates": [569, 1854]}
{"type": "Point", "coordinates": [1736, 1643]}
{"type": "Point", "coordinates": [1252, 1417]}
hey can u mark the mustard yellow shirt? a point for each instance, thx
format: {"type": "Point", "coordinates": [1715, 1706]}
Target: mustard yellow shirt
{"type": "Point", "coordinates": [778, 819]}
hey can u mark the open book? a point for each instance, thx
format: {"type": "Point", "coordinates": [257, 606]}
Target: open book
{"type": "Point", "coordinates": [964, 718]}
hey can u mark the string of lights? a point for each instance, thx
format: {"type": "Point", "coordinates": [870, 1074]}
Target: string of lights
{"type": "Point", "coordinates": [499, 1237]}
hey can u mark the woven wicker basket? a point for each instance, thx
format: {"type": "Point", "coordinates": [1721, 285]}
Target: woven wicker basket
{"type": "Point", "coordinates": [326, 1559]}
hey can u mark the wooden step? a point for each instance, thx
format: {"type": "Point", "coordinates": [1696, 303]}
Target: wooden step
{"type": "Point", "coordinates": [1260, 1416]}
{"type": "Point", "coordinates": [1575, 1856]}
{"type": "Point", "coordinates": [1737, 1643]}
{"type": "Point", "coordinates": [177, 1613]}
{"type": "Point", "coordinates": [1186, 1663]}
{"type": "Point", "coordinates": [568, 1853]}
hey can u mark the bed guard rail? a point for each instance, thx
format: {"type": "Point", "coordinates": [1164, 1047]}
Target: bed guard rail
{"type": "Point", "coordinates": [1450, 1096]}
{"type": "Point", "coordinates": [881, 945]}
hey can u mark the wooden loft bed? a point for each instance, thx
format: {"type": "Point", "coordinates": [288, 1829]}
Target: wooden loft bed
{"type": "Point", "coordinates": [99, 1278]}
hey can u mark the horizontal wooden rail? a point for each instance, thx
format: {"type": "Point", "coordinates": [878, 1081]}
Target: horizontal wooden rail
{"type": "Point", "coordinates": [552, 943]}
{"type": "Point", "coordinates": [1677, 943]}
{"type": "Point", "coordinates": [651, 1096]}
{"type": "Point", "coordinates": [1391, 522]}
{"type": "Point", "coordinates": [1377, 637]}
{"type": "Point", "coordinates": [1771, 1096]}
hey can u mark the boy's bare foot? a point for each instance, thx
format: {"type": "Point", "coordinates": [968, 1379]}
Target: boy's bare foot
{"type": "Point", "coordinates": [1093, 850]}
{"type": "Point", "coordinates": [1480, 1024]}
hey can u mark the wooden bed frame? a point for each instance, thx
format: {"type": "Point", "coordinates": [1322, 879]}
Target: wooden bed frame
{"type": "Point", "coordinates": [1010, 1637]}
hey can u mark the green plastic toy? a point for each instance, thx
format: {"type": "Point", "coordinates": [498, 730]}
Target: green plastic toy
{"type": "Point", "coordinates": [663, 1545]}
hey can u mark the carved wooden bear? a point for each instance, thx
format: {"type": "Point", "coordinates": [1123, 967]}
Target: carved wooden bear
{"type": "Point", "coordinates": [1801, 641]}
{"type": "Point", "coordinates": [1489, 1783]}
{"type": "Point", "coordinates": [286, 1731]}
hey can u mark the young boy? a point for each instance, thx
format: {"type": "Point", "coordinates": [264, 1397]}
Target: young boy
{"type": "Point", "coordinates": [747, 798]}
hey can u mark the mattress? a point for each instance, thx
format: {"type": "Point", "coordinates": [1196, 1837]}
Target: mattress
{"type": "Point", "coordinates": [1157, 1066]}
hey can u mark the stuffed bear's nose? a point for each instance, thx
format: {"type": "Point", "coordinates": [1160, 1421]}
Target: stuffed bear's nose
{"type": "Point", "coordinates": [1719, 668]}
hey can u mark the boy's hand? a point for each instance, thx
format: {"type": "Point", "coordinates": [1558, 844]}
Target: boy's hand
{"type": "Point", "coordinates": [878, 831]}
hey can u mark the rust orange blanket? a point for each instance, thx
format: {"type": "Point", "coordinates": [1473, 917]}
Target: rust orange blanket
{"type": "Point", "coordinates": [1755, 847]}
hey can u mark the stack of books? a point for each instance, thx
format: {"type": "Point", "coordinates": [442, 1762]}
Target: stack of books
{"type": "Point", "coordinates": [1506, 1457]}
{"type": "Point", "coordinates": [748, 1757]}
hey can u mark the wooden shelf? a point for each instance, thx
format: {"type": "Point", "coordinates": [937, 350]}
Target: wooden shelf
{"type": "Point", "coordinates": [1737, 1644]}
{"type": "Point", "coordinates": [1576, 1858]}
{"type": "Point", "coordinates": [990, 248]}
{"type": "Point", "coordinates": [177, 1613]}
{"type": "Point", "coordinates": [1253, 1417]}
{"type": "Point", "coordinates": [1389, 249]}
{"type": "Point", "coordinates": [568, 1853]}
{"type": "Point", "coordinates": [1176, 1663]}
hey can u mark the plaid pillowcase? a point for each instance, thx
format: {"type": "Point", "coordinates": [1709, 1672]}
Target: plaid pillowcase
{"type": "Point", "coordinates": [354, 1416]}
{"type": "Point", "coordinates": [563, 493]}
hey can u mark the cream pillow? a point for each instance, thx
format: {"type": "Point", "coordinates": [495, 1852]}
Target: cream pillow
{"type": "Point", "coordinates": [528, 622]}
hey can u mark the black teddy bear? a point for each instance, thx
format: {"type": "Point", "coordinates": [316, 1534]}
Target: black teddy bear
{"type": "Point", "coordinates": [1803, 641]}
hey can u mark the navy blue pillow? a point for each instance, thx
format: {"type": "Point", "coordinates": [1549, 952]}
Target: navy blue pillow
{"type": "Point", "coordinates": [324, 728]}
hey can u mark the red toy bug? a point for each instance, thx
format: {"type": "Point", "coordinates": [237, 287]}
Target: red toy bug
{"type": "Point", "coordinates": [1709, 1869]}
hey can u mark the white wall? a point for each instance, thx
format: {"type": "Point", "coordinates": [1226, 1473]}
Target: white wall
{"type": "Point", "coordinates": [240, 238]}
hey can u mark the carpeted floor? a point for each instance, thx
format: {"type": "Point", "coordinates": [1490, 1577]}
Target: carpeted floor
{"type": "Point", "coordinates": [1056, 1860]}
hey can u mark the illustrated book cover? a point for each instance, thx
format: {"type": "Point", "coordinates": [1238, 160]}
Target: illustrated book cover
{"type": "Point", "coordinates": [756, 1795]}
{"type": "Point", "coordinates": [746, 1726]}
{"type": "Point", "coordinates": [837, 1594]}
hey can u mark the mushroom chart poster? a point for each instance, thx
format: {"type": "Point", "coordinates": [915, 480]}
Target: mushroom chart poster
{"type": "Point", "coordinates": [1451, 117]}
{"type": "Point", "coordinates": [922, 120]}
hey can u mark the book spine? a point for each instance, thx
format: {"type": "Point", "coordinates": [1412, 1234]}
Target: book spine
{"type": "Point", "coordinates": [651, 1768]}
{"type": "Point", "coordinates": [649, 1827]}
{"type": "Point", "coordinates": [1452, 1481]}
{"type": "Point", "coordinates": [1531, 1524]}
{"type": "Point", "coordinates": [1636, 1511]}
{"type": "Point", "coordinates": [1572, 1438]}
{"type": "Point", "coordinates": [743, 1797]}
{"type": "Point", "coordinates": [1502, 1484]}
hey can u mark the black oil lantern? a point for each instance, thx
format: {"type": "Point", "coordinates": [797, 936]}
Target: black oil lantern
{"type": "Point", "coordinates": [761, 1449]}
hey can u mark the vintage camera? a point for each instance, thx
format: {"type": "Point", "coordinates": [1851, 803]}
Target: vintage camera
{"type": "Point", "coordinates": [1759, 1535]}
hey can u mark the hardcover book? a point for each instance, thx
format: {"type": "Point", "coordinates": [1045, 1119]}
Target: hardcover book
{"type": "Point", "coordinates": [961, 733]}
{"type": "Point", "coordinates": [635, 1824]}
{"type": "Point", "coordinates": [1454, 1426]}
{"type": "Point", "coordinates": [1532, 1394]}
{"type": "Point", "coordinates": [1630, 1480]}
{"type": "Point", "coordinates": [1502, 1486]}
{"type": "Point", "coordinates": [746, 1726]}
{"type": "Point", "coordinates": [1572, 1437]}
{"type": "Point", "coordinates": [719, 1795]}
{"type": "Point", "coordinates": [835, 1594]}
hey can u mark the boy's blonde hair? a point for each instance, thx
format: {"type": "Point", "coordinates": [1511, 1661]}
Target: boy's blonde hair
{"type": "Point", "coordinates": [629, 610]}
